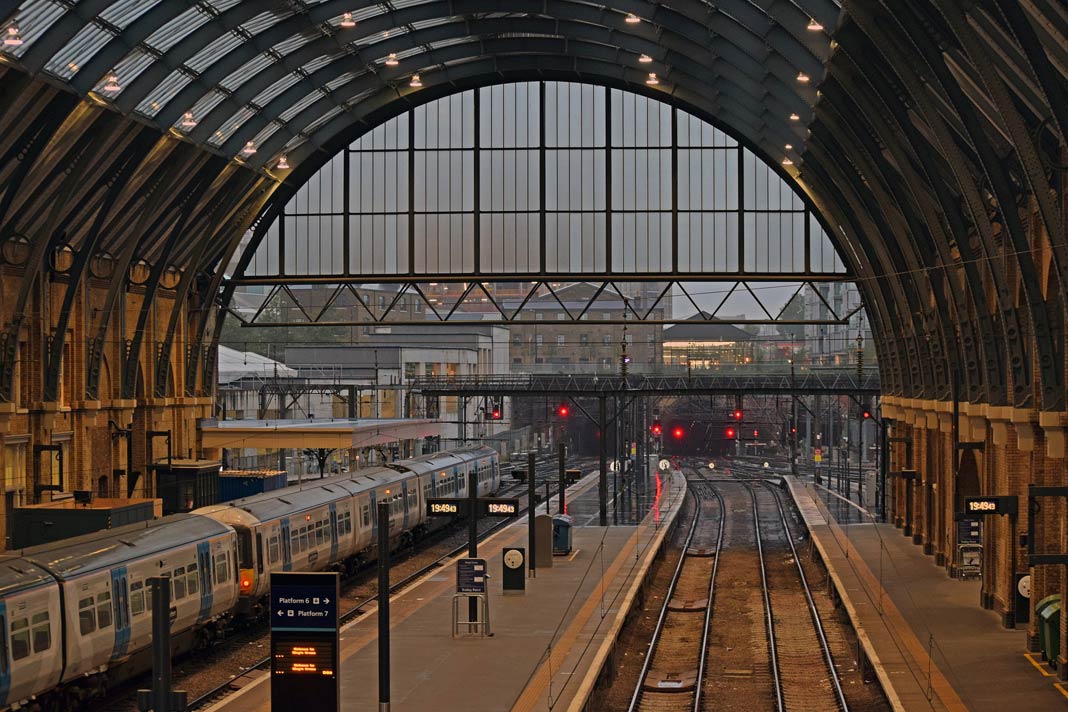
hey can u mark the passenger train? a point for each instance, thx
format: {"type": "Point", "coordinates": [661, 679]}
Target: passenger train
{"type": "Point", "coordinates": [76, 614]}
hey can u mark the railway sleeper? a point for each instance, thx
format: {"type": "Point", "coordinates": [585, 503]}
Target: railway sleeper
{"type": "Point", "coordinates": [670, 681]}
{"type": "Point", "coordinates": [687, 605]}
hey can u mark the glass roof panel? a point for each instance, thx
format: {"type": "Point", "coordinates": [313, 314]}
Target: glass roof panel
{"type": "Point", "coordinates": [247, 71]}
{"type": "Point", "coordinates": [133, 64]}
{"type": "Point", "coordinates": [319, 62]}
{"type": "Point", "coordinates": [177, 29]}
{"type": "Point", "coordinates": [215, 49]}
{"type": "Point", "coordinates": [300, 105]}
{"type": "Point", "coordinates": [264, 20]}
{"type": "Point", "coordinates": [123, 12]}
{"type": "Point", "coordinates": [207, 102]}
{"type": "Point", "coordinates": [310, 128]}
{"type": "Point", "coordinates": [265, 96]}
{"type": "Point", "coordinates": [67, 61]}
{"type": "Point", "coordinates": [223, 5]}
{"type": "Point", "coordinates": [231, 125]}
{"type": "Point", "coordinates": [343, 79]}
{"type": "Point", "coordinates": [295, 42]}
{"type": "Point", "coordinates": [34, 17]}
{"type": "Point", "coordinates": [167, 89]}
{"type": "Point", "coordinates": [266, 132]}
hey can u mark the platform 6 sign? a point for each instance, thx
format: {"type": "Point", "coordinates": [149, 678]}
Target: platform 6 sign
{"type": "Point", "coordinates": [304, 640]}
{"type": "Point", "coordinates": [979, 506]}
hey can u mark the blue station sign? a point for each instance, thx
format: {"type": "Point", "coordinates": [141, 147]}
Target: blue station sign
{"type": "Point", "coordinates": [303, 601]}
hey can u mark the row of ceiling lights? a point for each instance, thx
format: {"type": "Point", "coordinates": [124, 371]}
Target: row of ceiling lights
{"type": "Point", "coordinates": [13, 38]}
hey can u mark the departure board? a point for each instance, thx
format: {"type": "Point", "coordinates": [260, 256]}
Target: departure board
{"type": "Point", "coordinates": [304, 640]}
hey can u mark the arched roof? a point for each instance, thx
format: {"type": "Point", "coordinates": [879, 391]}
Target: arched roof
{"type": "Point", "coordinates": [918, 128]}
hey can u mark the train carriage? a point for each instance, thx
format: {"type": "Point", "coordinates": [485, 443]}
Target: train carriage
{"type": "Point", "coordinates": [30, 620]}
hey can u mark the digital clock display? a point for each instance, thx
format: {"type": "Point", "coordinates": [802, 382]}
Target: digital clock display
{"type": "Point", "coordinates": [993, 504]}
{"type": "Point", "coordinates": [983, 505]}
{"type": "Point", "coordinates": [441, 508]}
{"type": "Point", "coordinates": [501, 508]}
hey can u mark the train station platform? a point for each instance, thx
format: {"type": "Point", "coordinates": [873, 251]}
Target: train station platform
{"type": "Point", "coordinates": [548, 645]}
{"type": "Point", "coordinates": [929, 642]}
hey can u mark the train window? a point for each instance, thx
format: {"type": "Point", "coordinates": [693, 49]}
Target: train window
{"type": "Point", "coordinates": [222, 570]}
{"type": "Point", "coordinates": [366, 515]}
{"type": "Point", "coordinates": [192, 582]}
{"type": "Point", "coordinates": [178, 584]}
{"type": "Point", "coordinates": [103, 609]}
{"type": "Point", "coordinates": [41, 631]}
{"type": "Point", "coordinates": [294, 541]}
{"type": "Point", "coordinates": [303, 538]}
{"type": "Point", "coordinates": [272, 549]}
{"type": "Point", "coordinates": [320, 535]}
{"type": "Point", "coordinates": [20, 639]}
{"type": "Point", "coordinates": [244, 548]}
{"type": "Point", "coordinates": [137, 598]}
{"type": "Point", "coordinates": [86, 616]}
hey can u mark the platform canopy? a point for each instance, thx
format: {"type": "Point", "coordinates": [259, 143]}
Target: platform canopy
{"type": "Point", "coordinates": [336, 433]}
{"type": "Point", "coordinates": [152, 134]}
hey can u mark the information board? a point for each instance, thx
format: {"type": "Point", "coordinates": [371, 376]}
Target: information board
{"type": "Point", "coordinates": [471, 576]}
{"type": "Point", "coordinates": [304, 640]}
{"type": "Point", "coordinates": [445, 507]}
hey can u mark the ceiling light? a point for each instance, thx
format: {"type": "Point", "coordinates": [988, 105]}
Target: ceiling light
{"type": "Point", "coordinates": [789, 146]}
{"type": "Point", "coordinates": [787, 162]}
{"type": "Point", "coordinates": [632, 18]}
{"type": "Point", "coordinates": [111, 82]}
{"type": "Point", "coordinates": [645, 59]}
{"type": "Point", "coordinates": [249, 148]}
{"type": "Point", "coordinates": [188, 120]}
{"type": "Point", "coordinates": [794, 117]}
{"type": "Point", "coordinates": [283, 163]}
{"type": "Point", "coordinates": [802, 77]}
{"type": "Point", "coordinates": [652, 80]}
{"type": "Point", "coordinates": [814, 26]}
{"type": "Point", "coordinates": [391, 60]}
{"type": "Point", "coordinates": [13, 38]}
{"type": "Point", "coordinates": [416, 81]}
{"type": "Point", "coordinates": [347, 21]}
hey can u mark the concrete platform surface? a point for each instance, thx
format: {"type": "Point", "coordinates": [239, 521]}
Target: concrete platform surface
{"type": "Point", "coordinates": [932, 645]}
{"type": "Point", "coordinates": [548, 643]}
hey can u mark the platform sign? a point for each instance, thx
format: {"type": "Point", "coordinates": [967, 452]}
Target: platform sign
{"type": "Point", "coordinates": [445, 507]}
{"type": "Point", "coordinates": [304, 640]}
{"type": "Point", "coordinates": [497, 507]}
{"type": "Point", "coordinates": [471, 576]}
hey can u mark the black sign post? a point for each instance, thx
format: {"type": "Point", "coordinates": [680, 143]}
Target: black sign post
{"type": "Point", "coordinates": [161, 697]}
{"type": "Point", "coordinates": [383, 608]}
{"type": "Point", "coordinates": [1009, 505]}
{"type": "Point", "coordinates": [530, 511]}
{"type": "Point", "coordinates": [304, 640]}
{"type": "Point", "coordinates": [472, 533]}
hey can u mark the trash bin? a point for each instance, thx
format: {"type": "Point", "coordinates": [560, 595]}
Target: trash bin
{"type": "Point", "coordinates": [1048, 611]}
{"type": "Point", "coordinates": [561, 535]}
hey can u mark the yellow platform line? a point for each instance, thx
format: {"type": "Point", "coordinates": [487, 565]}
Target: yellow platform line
{"type": "Point", "coordinates": [1060, 689]}
{"type": "Point", "coordinates": [535, 689]}
{"type": "Point", "coordinates": [896, 622]}
{"type": "Point", "coordinates": [1038, 666]}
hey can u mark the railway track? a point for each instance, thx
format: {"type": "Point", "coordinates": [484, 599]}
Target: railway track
{"type": "Point", "coordinates": [671, 676]}
{"type": "Point", "coordinates": [801, 658]}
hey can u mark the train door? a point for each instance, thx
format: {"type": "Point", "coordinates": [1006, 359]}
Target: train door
{"type": "Point", "coordinates": [333, 532]}
{"type": "Point", "coordinates": [374, 519]}
{"type": "Point", "coordinates": [120, 603]}
{"type": "Point", "coordinates": [287, 555]}
{"type": "Point", "coordinates": [5, 662]}
{"type": "Point", "coordinates": [204, 571]}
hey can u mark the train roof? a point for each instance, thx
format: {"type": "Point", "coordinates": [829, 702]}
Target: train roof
{"type": "Point", "coordinates": [108, 548]}
{"type": "Point", "coordinates": [448, 456]}
{"type": "Point", "coordinates": [18, 574]}
{"type": "Point", "coordinates": [280, 502]}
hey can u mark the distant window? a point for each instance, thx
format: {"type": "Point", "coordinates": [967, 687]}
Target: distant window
{"type": "Point", "coordinates": [41, 631]}
{"type": "Point", "coordinates": [606, 315]}
{"type": "Point", "coordinates": [538, 316]}
{"type": "Point", "coordinates": [103, 609]}
{"type": "Point", "coordinates": [606, 339]}
{"type": "Point", "coordinates": [272, 549]}
{"type": "Point", "coordinates": [222, 570]}
{"type": "Point", "coordinates": [20, 639]}
{"type": "Point", "coordinates": [560, 340]}
{"type": "Point", "coordinates": [86, 616]}
{"type": "Point", "coordinates": [560, 316]}
{"type": "Point", "coordinates": [539, 339]}
{"type": "Point", "coordinates": [517, 339]}
{"type": "Point", "coordinates": [584, 339]}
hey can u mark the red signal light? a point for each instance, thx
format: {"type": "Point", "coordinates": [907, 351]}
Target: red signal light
{"type": "Point", "coordinates": [657, 428]}
{"type": "Point", "coordinates": [496, 415]}
{"type": "Point", "coordinates": [737, 414]}
{"type": "Point", "coordinates": [563, 411]}
{"type": "Point", "coordinates": [678, 432]}
{"type": "Point", "coordinates": [867, 414]}
{"type": "Point", "coordinates": [731, 432]}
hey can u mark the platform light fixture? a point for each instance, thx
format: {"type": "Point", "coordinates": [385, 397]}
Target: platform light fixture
{"type": "Point", "coordinates": [283, 163]}
{"type": "Point", "coordinates": [416, 81]}
{"type": "Point", "coordinates": [188, 120]}
{"type": "Point", "coordinates": [652, 80]}
{"type": "Point", "coordinates": [249, 148]}
{"type": "Point", "coordinates": [802, 77]}
{"type": "Point", "coordinates": [814, 25]}
{"type": "Point", "coordinates": [347, 21]}
{"type": "Point", "coordinates": [111, 82]}
{"type": "Point", "coordinates": [633, 19]}
{"type": "Point", "coordinates": [13, 38]}
{"type": "Point", "coordinates": [789, 146]}
{"type": "Point", "coordinates": [794, 117]}
{"type": "Point", "coordinates": [787, 162]}
{"type": "Point", "coordinates": [644, 58]}
{"type": "Point", "coordinates": [391, 60]}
